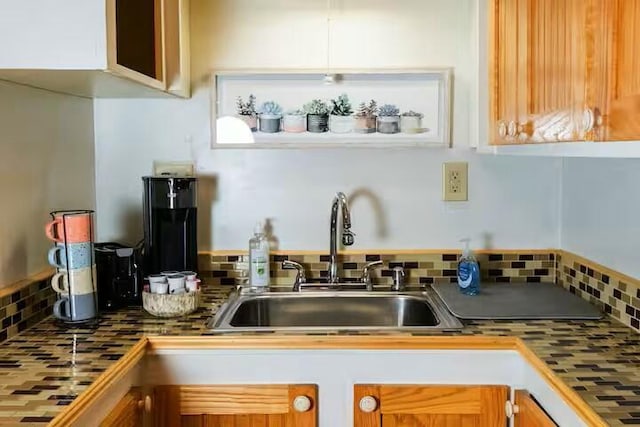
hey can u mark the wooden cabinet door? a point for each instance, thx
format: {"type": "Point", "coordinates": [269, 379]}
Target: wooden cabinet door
{"type": "Point", "coordinates": [530, 414]}
{"type": "Point", "coordinates": [622, 112]}
{"type": "Point", "coordinates": [508, 51]}
{"type": "Point", "coordinates": [234, 406]}
{"type": "Point", "coordinates": [560, 41]}
{"type": "Point", "coordinates": [127, 413]}
{"type": "Point", "coordinates": [433, 406]}
{"type": "Point", "coordinates": [542, 70]}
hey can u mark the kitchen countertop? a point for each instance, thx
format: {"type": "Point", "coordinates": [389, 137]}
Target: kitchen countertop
{"type": "Point", "coordinates": [43, 369]}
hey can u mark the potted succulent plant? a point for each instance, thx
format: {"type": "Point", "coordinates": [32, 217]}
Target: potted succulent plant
{"type": "Point", "coordinates": [411, 122]}
{"type": "Point", "coordinates": [270, 116]}
{"type": "Point", "coordinates": [317, 116]}
{"type": "Point", "coordinates": [247, 112]}
{"type": "Point", "coordinates": [295, 121]}
{"type": "Point", "coordinates": [340, 120]}
{"type": "Point", "coordinates": [365, 117]}
{"type": "Point", "coordinates": [388, 119]}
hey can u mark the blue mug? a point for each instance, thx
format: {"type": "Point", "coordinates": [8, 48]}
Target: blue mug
{"type": "Point", "coordinates": [76, 308]}
{"type": "Point", "coordinates": [71, 256]}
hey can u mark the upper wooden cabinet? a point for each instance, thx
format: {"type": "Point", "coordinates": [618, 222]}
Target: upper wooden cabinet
{"type": "Point", "coordinates": [97, 48]}
{"type": "Point", "coordinates": [564, 70]}
{"type": "Point", "coordinates": [622, 111]}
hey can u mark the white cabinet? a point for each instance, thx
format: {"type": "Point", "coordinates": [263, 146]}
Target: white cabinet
{"type": "Point", "coordinates": [97, 48]}
{"type": "Point", "coordinates": [197, 382]}
{"type": "Point", "coordinates": [337, 374]}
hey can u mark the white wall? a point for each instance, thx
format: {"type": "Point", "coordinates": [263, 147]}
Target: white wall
{"type": "Point", "coordinates": [601, 212]}
{"type": "Point", "coordinates": [514, 202]}
{"type": "Point", "coordinates": [46, 163]}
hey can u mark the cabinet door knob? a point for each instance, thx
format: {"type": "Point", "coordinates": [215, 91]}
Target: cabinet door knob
{"type": "Point", "coordinates": [145, 404]}
{"type": "Point", "coordinates": [512, 129]}
{"type": "Point", "coordinates": [301, 403]}
{"type": "Point", "coordinates": [368, 404]}
{"type": "Point", "coordinates": [511, 409]}
{"type": "Point", "coordinates": [525, 130]}
{"type": "Point", "coordinates": [502, 129]}
{"type": "Point", "coordinates": [588, 120]}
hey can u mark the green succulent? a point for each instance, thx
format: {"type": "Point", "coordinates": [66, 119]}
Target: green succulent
{"type": "Point", "coordinates": [412, 113]}
{"type": "Point", "coordinates": [367, 110]}
{"type": "Point", "coordinates": [316, 107]}
{"type": "Point", "coordinates": [388, 110]}
{"type": "Point", "coordinates": [246, 108]}
{"type": "Point", "coordinates": [271, 108]}
{"type": "Point", "coordinates": [341, 106]}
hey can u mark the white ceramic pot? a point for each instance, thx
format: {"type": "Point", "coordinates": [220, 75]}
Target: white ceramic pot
{"type": "Point", "coordinates": [411, 124]}
{"type": "Point", "coordinates": [341, 124]}
{"type": "Point", "coordinates": [294, 123]}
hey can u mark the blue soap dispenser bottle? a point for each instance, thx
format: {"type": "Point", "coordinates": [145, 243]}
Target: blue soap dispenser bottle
{"type": "Point", "coordinates": [468, 271]}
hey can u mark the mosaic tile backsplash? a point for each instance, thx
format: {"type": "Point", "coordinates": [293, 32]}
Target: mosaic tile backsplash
{"type": "Point", "coordinates": [25, 307]}
{"type": "Point", "coordinates": [420, 269]}
{"type": "Point", "coordinates": [615, 293]}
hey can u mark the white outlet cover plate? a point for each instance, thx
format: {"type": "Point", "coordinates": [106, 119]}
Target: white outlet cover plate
{"type": "Point", "coordinates": [173, 168]}
{"type": "Point", "coordinates": [455, 192]}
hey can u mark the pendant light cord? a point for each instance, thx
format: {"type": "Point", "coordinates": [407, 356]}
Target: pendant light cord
{"type": "Point", "coordinates": [328, 36]}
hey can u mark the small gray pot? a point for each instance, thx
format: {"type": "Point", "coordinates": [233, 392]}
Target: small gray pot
{"type": "Point", "coordinates": [388, 124]}
{"type": "Point", "coordinates": [317, 123]}
{"type": "Point", "coordinates": [270, 123]}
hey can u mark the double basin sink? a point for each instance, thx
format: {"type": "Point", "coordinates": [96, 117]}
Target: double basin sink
{"type": "Point", "coordinates": [327, 310]}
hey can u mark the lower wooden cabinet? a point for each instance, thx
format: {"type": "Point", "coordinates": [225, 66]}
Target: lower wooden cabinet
{"type": "Point", "coordinates": [235, 405]}
{"type": "Point", "coordinates": [435, 405]}
{"type": "Point", "coordinates": [128, 412]}
{"type": "Point", "coordinates": [283, 405]}
{"type": "Point", "coordinates": [529, 413]}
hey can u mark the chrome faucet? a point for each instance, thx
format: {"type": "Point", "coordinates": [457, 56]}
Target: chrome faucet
{"type": "Point", "coordinates": [347, 235]}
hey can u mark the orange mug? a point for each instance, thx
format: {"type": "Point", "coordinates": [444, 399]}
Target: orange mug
{"type": "Point", "coordinates": [70, 227]}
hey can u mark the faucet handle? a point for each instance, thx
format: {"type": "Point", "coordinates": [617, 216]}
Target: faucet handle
{"type": "Point", "coordinates": [398, 276]}
{"type": "Point", "coordinates": [301, 276]}
{"type": "Point", "coordinates": [366, 273]}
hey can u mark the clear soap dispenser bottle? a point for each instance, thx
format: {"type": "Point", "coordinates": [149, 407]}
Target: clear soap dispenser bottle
{"type": "Point", "coordinates": [259, 258]}
{"type": "Point", "coordinates": [468, 271]}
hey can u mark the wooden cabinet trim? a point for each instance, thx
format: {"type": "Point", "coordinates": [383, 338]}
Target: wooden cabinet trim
{"type": "Point", "coordinates": [101, 385]}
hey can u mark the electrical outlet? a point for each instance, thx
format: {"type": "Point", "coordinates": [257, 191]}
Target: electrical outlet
{"type": "Point", "coordinates": [173, 168]}
{"type": "Point", "coordinates": [455, 181]}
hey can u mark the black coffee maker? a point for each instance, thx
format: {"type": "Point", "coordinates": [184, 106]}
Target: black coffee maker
{"type": "Point", "coordinates": [170, 232]}
{"type": "Point", "coordinates": [119, 275]}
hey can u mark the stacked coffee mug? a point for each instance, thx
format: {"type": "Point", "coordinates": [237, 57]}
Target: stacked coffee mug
{"type": "Point", "coordinates": [72, 255]}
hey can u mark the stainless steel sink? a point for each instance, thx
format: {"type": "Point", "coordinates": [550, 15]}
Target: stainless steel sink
{"type": "Point", "coordinates": [326, 310]}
